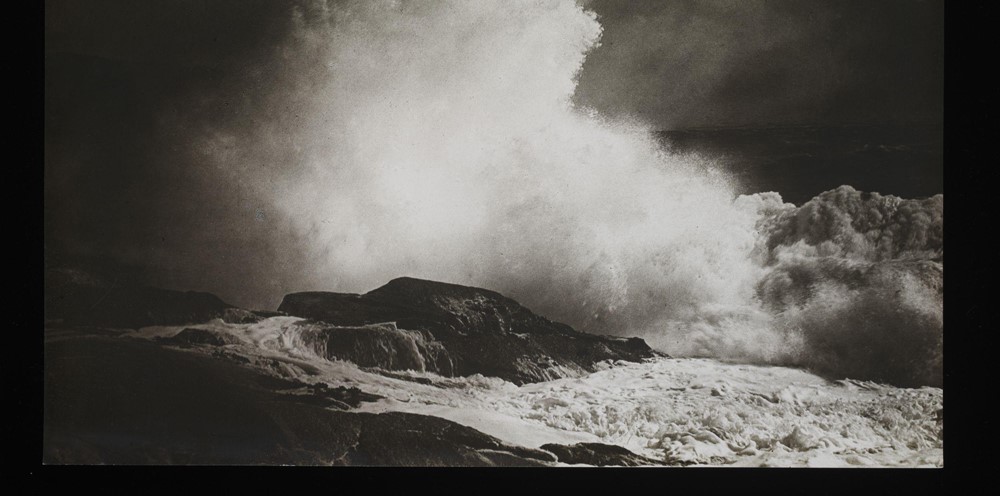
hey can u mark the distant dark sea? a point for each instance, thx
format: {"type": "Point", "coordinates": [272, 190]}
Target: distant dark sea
{"type": "Point", "coordinates": [802, 161]}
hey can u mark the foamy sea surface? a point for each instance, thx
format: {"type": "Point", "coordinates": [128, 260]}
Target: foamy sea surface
{"type": "Point", "coordinates": [686, 411]}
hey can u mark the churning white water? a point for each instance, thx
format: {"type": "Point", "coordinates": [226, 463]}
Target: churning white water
{"type": "Point", "coordinates": [437, 139]}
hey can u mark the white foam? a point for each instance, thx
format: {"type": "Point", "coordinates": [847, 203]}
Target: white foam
{"type": "Point", "coordinates": [438, 140]}
{"type": "Point", "coordinates": [699, 411]}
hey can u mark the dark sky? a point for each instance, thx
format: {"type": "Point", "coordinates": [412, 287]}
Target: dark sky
{"type": "Point", "coordinates": [127, 85]}
{"type": "Point", "coordinates": [693, 63]}
{"type": "Point", "coordinates": [677, 63]}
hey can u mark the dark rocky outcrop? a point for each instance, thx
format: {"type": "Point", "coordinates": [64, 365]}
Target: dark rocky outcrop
{"type": "Point", "coordinates": [74, 299]}
{"type": "Point", "coordinates": [378, 346]}
{"type": "Point", "coordinates": [350, 396]}
{"type": "Point", "coordinates": [369, 346]}
{"type": "Point", "coordinates": [598, 454]}
{"type": "Point", "coordinates": [123, 401]}
{"type": "Point", "coordinates": [191, 336]}
{"type": "Point", "coordinates": [407, 324]}
{"type": "Point", "coordinates": [453, 330]}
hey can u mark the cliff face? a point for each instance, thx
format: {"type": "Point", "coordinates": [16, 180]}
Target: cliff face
{"type": "Point", "coordinates": [453, 330]}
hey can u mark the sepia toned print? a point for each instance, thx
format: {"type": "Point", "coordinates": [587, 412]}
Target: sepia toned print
{"type": "Point", "coordinates": [495, 233]}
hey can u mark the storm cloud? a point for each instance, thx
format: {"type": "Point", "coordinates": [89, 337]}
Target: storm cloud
{"type": "Point", "coordinates": [703, 63]}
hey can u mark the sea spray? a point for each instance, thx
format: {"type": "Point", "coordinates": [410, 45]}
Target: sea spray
{"type": "Point", "coordinates": [438, 140]}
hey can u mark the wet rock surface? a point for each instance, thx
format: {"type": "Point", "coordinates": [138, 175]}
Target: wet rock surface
{"type": "Point", "coordinates": [115, 401]}
{"type": "Point", "coordinates": [599, 455]}
{"type": "Point", "coordinates": [456, 330]}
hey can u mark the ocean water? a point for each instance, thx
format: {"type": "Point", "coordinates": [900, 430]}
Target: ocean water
{"type": "Point", "coordinates": [684, 411]}
{"type": "Point", "coordinates": [800, 162]}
